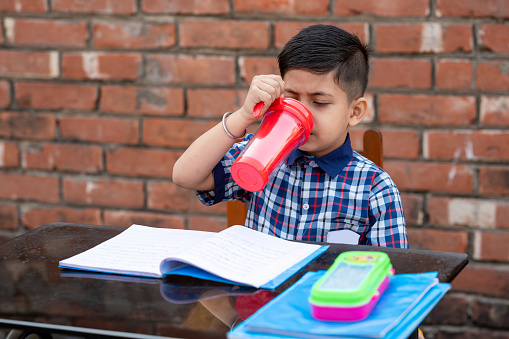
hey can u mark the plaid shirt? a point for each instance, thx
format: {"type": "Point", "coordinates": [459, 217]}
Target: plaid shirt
{"type": "Point", "coordinates": [308, 197]}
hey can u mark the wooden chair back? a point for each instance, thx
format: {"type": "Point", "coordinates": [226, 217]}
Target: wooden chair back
{"type": "Point", "coordinates": [236, 211]}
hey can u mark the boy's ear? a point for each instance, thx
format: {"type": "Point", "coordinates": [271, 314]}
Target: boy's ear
{"type": "Point", "coordinates": [358, 110]}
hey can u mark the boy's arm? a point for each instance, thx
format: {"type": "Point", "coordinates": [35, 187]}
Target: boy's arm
{"type": "Point", "coordinates": [193, 170]}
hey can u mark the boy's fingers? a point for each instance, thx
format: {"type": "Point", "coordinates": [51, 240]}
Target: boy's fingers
{"type": "Point", "coordinates": [275, 81]}
{"type": "Point", "coordinates": [265, 89]}
{"type": "Point", "coordinates": [274, 92]}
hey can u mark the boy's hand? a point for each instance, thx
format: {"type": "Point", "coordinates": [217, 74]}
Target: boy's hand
{"type": "Point", "coordinates": [264, 89]}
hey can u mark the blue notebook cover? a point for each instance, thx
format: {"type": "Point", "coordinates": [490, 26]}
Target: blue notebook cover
{"type": "Point", "coordinates": [403, 306]}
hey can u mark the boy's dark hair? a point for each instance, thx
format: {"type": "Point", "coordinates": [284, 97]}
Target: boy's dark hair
{"type": "Point", "coordinates": [324, 48]}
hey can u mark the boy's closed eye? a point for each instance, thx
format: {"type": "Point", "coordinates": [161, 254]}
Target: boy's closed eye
{"type": "Point", "coordinates": [320, 104]}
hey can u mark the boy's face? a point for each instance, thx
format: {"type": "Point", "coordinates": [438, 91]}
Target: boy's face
{"type": "Point", "coordinates": [328, 103]}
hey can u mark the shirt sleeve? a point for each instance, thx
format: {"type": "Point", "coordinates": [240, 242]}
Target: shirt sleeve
{"type": "Point", "coordinates": [386, 215]}
{"type": "Point", "coordinates": [225, 187]}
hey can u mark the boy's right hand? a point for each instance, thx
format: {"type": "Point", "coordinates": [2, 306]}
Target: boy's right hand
{"type": "Point", "coordinates": [264, 89]}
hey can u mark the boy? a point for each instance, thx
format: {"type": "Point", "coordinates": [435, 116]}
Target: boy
{"type": "Point", "coordinates": [323, 186]}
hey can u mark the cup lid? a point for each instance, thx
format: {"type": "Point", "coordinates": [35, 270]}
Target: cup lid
{"type": "Point", "coordinates": [297, 109]}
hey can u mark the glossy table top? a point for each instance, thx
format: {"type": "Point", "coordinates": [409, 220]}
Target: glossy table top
{"type": "Point", "coordinates": [36, 294]}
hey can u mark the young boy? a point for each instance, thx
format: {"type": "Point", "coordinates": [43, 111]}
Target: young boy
{"type": "Point", "coordinates": [323, 186]}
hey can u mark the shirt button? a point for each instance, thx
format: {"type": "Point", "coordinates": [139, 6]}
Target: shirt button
{"type": "Point", "coordinates": [305, 206]}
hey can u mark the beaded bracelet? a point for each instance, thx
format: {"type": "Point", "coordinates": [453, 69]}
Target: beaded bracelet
{"type": "Point", "coordinates": [228, 132]}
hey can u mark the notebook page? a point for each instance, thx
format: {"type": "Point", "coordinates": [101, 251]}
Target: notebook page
{"type": "Point", "coordinates": [246, 256]}
{"type": "Point", "coordinates": [138, 250]}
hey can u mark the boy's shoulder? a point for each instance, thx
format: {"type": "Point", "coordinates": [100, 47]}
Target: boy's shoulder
{"type": "Point", "coordinates": [358, 160]}
{"type": "Point", "coordinates": [364, 166]}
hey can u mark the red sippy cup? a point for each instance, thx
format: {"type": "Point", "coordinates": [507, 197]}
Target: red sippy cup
{"type": "Point", "coordinates": [285, 127]}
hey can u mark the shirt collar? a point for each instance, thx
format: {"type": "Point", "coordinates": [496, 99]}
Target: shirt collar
{"type": "Point", "coordinates": [332, 163]}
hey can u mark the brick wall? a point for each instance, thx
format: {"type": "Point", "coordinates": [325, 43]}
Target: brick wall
{"type": "Point", "coordinates": [99, 98]}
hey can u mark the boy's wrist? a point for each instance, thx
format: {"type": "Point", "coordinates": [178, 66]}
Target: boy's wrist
{"type": "Point", "coordinates": [235, 123]}
{"type": "Point", "coordinates": [227, 131]}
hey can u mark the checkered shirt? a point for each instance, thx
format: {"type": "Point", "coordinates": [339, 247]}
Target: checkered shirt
{"type": "Point", "coordinates": [308, 197]}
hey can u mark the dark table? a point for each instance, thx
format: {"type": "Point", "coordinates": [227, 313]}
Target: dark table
{"type": "Point", "coordinates": [35, 295]}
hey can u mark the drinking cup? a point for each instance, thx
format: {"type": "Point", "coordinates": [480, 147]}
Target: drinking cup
{"type": "Point", "coordinates": [285, 127]}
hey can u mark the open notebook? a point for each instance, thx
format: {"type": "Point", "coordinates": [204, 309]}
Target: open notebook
{"type": "Point", "coordinates": [236, 255]}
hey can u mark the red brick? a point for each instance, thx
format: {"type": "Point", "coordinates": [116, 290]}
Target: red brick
{"type": "Point", "coordinates": [8, 217]}
{"type": "Point", "coordinates": [494, 37]}
{"type": "Point", "coordinates": [5, 94]}
{"type": "Point", "coordinates": [43, 95]}
{"type": "Point", "coordinates": [430, 177]}
{"type": "Point", "coordinates": [173, 133]}
{"type": "Point", "coordinates": [401, 143]}
{"type": "Point", "coordinates": [495, 110]}
{"type": "Point", "coordinates": [284, 7]}
{"type": "Point", "coordinates": [95, 6]}
{"type": "Point", "coordinates": [457, 38]}
{"type": "Point", "coordinates": [102, 130]}
{"type": "Point", "coordinates": [103, 66]}
{"type": "Point", "coordinates": [490, 281]}
{"type": "Point", "coordinates": [467, 145]}
{"type": "Point", "coordinates": [437, 240]}
{"type": "Point", "coordinates": [490, 313]}
{"type": "Point", "coordinates": [429, 37]}
{"type": "Point", "coordinates": [38, 216]}
{"type": "Point", "coordinates": [194, 7]}
{"type": "Point", "coordinates": [133, 34]}
{"type": "Point", "coordinates": [284, 31]}
{"type": "Point", "coordinates": [208, 70]}
{"type": "Point", "coordinates": [438, 211]}
{"type": "Point", "coordinates": [493, 76]}
{"type": "Point", "coordinates": [127, 218]}
{"type": "Point", "coordinates": [427, 110]}
{"type": "Point", "coordinates": [251, 66]}
{"type": "Point", "coordinates": [224, 34]}
{"type": "Point", "coordinates": [65, 33]}
{"type": "Point", "coordinates": [409, 73]}
{"type": "Point", "coordinates": [413, 206]}
{"type": "Point", "coordinates": [463, 212]}
{"type": "Point", "coordinates": [389, 8]}
{"type": "Point", "coordinates": [64, 157]}
{"type": "Point", "coordinates": [27, 126]}
{"type": "Point", "coordinates": [451, 310]}
{"type": "Point", "coordinates": [502, 215]}
{"type": "Point", "coordinates": [29, 64]}
{"type": "Point", "coordinates": [169, 197]}
{"type": "Point", "coordinates": [104, 192]}
{"type": "Point", "coordinates": [213, 103]}
{"type": "Point", "coordinates": [494, 180]}
{"type": "Point", "coordinates": [18, 6]}
{"type": "Point", "coordinates": [209, 223]}
{"type": "Point", "coordinates": [9, 155]}
{"type": "Point", "coordinates": [454, 74]}
{"type": "Point", "coordinates": [491, 246]}
{"type": "Point", "coordinates": [473, 8]}
{"type": "Point", "coordinates": [142, 100]}
{"type": "Point", "coordinates": [140, 162]}
{"type": "Point", "coordinates": [29, 188]}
